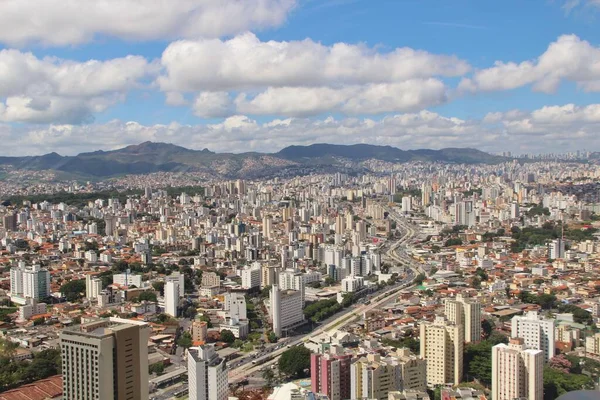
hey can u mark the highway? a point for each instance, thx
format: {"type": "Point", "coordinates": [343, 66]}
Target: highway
{"type": "Point", "coordinates": [349, 315]}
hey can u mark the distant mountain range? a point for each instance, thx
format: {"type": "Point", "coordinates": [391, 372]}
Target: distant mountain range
{"type": "Point", "coordinates": [151, 157]}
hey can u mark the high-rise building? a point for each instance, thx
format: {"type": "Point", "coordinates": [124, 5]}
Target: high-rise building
{"type": "Point", "coordinates": [537, 332]}
{"type": "Point", "coordinates": [199, 331]}
{"type": "Point", "coordinates": [330, 375]}
{"type": "Point", "coordinates": [285, 308]}
{"type": "Point", "coordinates": [556, 249]}
{"type": "Point", "coordinates": [93, 286]}
{"type": "Point", "coordinates": [251, 276]}
{"type": "Point", "coordinates": [267, 226]}
{"type": "Point", "coordinates": [442, 345]}
{"type": "Point", "coordinates": [517, 372]}
{"type": "Point", "coordinates": [171, 298]}
{"type": "Point", "coordinates": [466, 312]}
{"type": "Point", "coordinates": [235, 305]}
{"type": "Point", "coordinates": [179, 278]}
{"type": "Point", "coordinates": [106, 359]}
{"type": "Point", "coordinates": [207, 374]}
{"type": "Point", "coordinates": [29, 282]}
{"type": "Point", "coordinates": [292, 280]}
{"type": "Point", "coordinates": [9, 221]}
{"type": "Point", "coordinates": [340, 225]}
{"type": "Point", "coordinates": [210, 279]}
{"type": "Point", "coordinates": [373, 377]}
{"type": "Point", "coordinates": [128, 279]}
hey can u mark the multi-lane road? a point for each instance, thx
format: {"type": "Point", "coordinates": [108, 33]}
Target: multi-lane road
{"type": "Point", "coordinates": [240, 372]}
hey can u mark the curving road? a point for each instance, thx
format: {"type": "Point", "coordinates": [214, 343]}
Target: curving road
{"type": "Point", "coordinates": [352, 313]}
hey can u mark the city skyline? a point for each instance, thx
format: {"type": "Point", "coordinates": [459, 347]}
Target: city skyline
{"type": "Point", "coordinates": [262, 75]}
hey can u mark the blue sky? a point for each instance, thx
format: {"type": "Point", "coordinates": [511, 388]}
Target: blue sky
{"type": "Point", "coordinates": [522, 76]}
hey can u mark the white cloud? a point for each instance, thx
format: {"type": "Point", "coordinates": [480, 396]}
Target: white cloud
{"type": "Point", "coordinates": [552, 128]}
{"type": "Point", "coordinates": [212, 104]}
{"type": "Point", "coordinates": [63, 91]}
{"type": "Point", "coordinates": [244, 62]}
{"type": "Point", "coordinates": [568, 58]}
{"type": "Point", "coordinates": [412, 95]}
{"type": "Point", "coordinates": [68, 22]}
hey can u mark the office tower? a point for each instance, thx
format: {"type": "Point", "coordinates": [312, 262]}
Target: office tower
{"type": "Point", "coordinates": [178, 278]}
{"type": "Point", "coordinates": [556, 249]}
{"type": "Point", "coordinates": [267, 226]}
{"type": "Point", "coordinates": [148, 193]}
{"type": "Point", "coordinates": [9, 221]}
{"type": "Point", "coordinates": [93, 287]}
{"type": "Point", "coordinates": [372, 377]}
{"type": "Point", "coordinates": [406, 204]}
{"type": "Point", "coordinates": [286, 309]}
{"type": "Point", "coordinates": [517, 372]}
{"type": "Point", "coordinates": [465, 312]}
{"type": "Point", "coordinates": [442, 344]}
{"type": "Point", "coordinates": [340, 225]}
{"type": "Point", "coordinates": [207, 374]}
{"type": "Point", "coordinates": [330, 375]}
{"type": "Point", "coordinates": [106, 359]}
{"type": "Point", "coordinates": [251, 276]}
{"type": "Point", "coordinates": [514, 211]}
{"type": "Point", "coordinates": [171, 298]}
{"type": "Point", "coordinates": [110, 225]}
{"type": "Point", "coordinates": [537, 332]}
{"type": "Point", "coordinates": [292, 280]}
{"type": "Point", "coordinates": [31, 282]}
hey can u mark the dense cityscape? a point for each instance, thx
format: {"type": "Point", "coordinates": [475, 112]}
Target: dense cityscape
{"type": "Point", "coordinates": [415, 284]}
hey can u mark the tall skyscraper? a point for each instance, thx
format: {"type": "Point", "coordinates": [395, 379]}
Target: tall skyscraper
{"type": "Point", "coordinates": [517, 372]}
{"type": "Point", "coordinates": [286, 309]}
{"type": "Point", "coordinates": [442, 345]}
{"type": "Point", "coordinates": [556, 249]}
{"type": "Point", "coordinates": [537, 332]}
{"type": "Point", "coordinates": [330, 375]}
{"type": "Point", "coordinates": [207, 374]}
{"type": "Point", "coordinates": [106, 359]}
{"type": "Point", "coordinates": [340, 224]}
{"type": "Point", "coordinates": [466, 312]}
{"type": "Point", "coordinates": [171, 298]}
{"type": "Point", "coordinates": [9, 221]}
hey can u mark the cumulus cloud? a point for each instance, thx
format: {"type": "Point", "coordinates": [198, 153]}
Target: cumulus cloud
{"type": "Point", "coordinates": [412, 95]}
{"type": "Point", "coordinates": [212, 104]}
{"type": "Point", "coordinates": [568, 58]}
{"type": "Point", "coordinates": [552, 128]}
{"type": "Point", "coordinates": [63, 91]}
{"type": "Point", "coordinates": [68, 22]}
{"type": "Point", "coordinates": [246, 62]}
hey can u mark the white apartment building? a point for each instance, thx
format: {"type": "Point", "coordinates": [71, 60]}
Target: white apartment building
{"type": "Point", "coordinates": [211, 279]}
{"type": "Point", "coordinates": [285, 308]}
{"type": "Point", "coordinates": [128, 280]}
{"type": "Point", "coordinates": [292, 280]}
{"type": "Point", "coordinates": [93, 287]}
{"type": "Point", "coordinates": [31, 310]}
{"type": "Point", "coordinates": [179, 279]}
{"type": "Point", "coordinates": [234, 304]}
{"type": "Point", "coordinates": [352, 284]}
{"type": "Point", "coordinates": [251, 276]}
{"type": "Point", "coordinates": [537, 332]}
{"type": "Point", "coordinates": [517, 372]}
{"type": "Point", "coordinates": [29, 283]}
{"type": "Point", "coordinates": [207, 374]}
{"type": "Point", "coordinates": [373, 377]}
{"type": "Point", "coordinates": [172, 295]}
{"type": "Point", "coordinates": [465, 312]}
{"type": "Point", "coordinates": [442, 345]}
{"type": "Point", "coordinates": [106, 359]}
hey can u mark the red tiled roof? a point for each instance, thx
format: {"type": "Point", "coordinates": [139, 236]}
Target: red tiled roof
{"type": "Point", "coordinates": [41, 390]}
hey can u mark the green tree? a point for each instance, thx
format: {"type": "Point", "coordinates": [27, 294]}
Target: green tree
{"type": "Point", "coordinates": [148, 296]}
{"type": "Point", "coordinates": [227, 336]}
{"type": "Point", "coordinates": [269, 376]}
{"type": "Point", "coordinates": [73, 290]}
{"type": "Point", "coordinates": [487, 327]}
{"type": "Point", "coordinates": [185, 340]}
{"type": "Point", "coordinates": [293, 362]}
{"type": "Point", "coordinates": [156, 368]}
{"type": "Point", "coordinates": [38, 321]}
{"type": "Point", "coordinates": [272, 337]}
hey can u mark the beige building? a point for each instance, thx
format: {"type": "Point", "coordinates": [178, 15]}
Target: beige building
{"type": "Point", "coordinates": [199, 331]}
{"type": "Point", "coordinates": [517, 372]}
{"type": "Point", "coordinates": [465, 312]}
{"type": "Point", "coordinates": [592, 344]}
{"type": "Point", "coordinates": [106, 359]}
{"type": "Point", "coordinates": [211, 279]}
{"type": "Point", "coordinates": [413, 370]}
{"type": "Point", "coordinates": [442, 345]}
{"type": "Point", "coordinates": [372, 377]}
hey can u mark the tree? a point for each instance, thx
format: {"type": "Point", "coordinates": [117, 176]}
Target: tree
{"type": "Point", "coordinates": [269, 376]}
{"type": "Point", "coordinates": [38, 321]}
{"type": "Point", "coordinates": [487, 328]}
{"type": "Point", "coordinates": [227, 336]}
{"type": "Point", "coordinates": [73, 290]}
{"type": "Point", "coordinates": [148, 296]}
{"type": "Point", "coordinates": [272, 337]}
{"type": "Point", "coordinates": [185, 340]}
{"type": "Point", "coordinates": [293, 362]}
{"type": "Point", "coordinates": [157, 368]}
{"type": "Point", "coordinates": [206, 319]}
{"type": "Point", "coordinates": [420, 278]}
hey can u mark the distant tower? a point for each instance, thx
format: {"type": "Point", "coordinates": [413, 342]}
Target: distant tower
{"type": "Point", "coordinates": [276, 309]}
